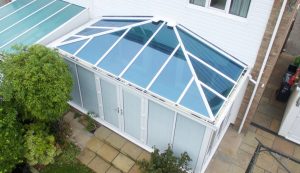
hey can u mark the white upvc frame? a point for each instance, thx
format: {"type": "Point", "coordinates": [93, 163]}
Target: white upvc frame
{"type": "Point", "coordinates": [78, 83]}
{"type": "Point", "coordinates": [141, 50]}
{"type": "Point", "coordinates": [44, 20]}
{"type": "Point", "coordinates": [99, 96]}
{"type": "Point", "coordinates": [204, 147]}
{"type": "Point", "coordinates": [16, 10]}
{"type": "Point", "coordinates": [185, 90]}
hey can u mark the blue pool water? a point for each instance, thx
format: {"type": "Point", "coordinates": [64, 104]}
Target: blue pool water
{"type": "Point", "coordinates": [27, 21]}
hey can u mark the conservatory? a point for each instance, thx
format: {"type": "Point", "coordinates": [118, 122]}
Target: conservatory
{"type": "Point", "coordinates": [154, 82]}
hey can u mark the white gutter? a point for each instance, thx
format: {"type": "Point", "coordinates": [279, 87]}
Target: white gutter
{"type": "Point", "coordinates": [257, 82]}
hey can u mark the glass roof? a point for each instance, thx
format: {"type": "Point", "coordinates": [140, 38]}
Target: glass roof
{"type": "Point", "coordinates": [169, 61]}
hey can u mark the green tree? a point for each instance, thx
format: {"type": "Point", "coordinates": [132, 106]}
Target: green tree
{"type": "Point", "coordinates": [37, 81]}
{"type": "Point", "coordinates": [11, 140]}
{"type": "Point", "coordinates": [166, 162]}
{"type": "Point", "coordinates": [39, 145]}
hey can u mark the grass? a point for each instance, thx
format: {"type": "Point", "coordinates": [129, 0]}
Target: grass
{"type": "Point", "coordinates": [66, 162]}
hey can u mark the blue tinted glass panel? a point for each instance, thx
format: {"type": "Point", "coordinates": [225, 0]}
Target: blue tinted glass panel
{"type": "Point", "coordinates": [115, 23]}
{"type": "Point", "coordinates": [10, 8]}
{"type": "Point", "coordinates": [71, 38]}
{"type": "Point", "coordinates": [98, 46]}
{"type": "Point", "coordinates": [127, 48]}
{"type": "Point", "coordinates": [72, 47]}
{"type": "Point", "coordinates": [211, 78]}
{"type": "Point", "coordinates": [214, 101]}
{"type": "Point", "coordinates": [211, 56]}
{"type": "Point", "coordinates": [91, 31]}
{"type": "Point", "coordinates": [151, 59]}
{"type": "Point", "coordinates": [193, 100]}
{"type": "Point", "coordinates": [174, 78]}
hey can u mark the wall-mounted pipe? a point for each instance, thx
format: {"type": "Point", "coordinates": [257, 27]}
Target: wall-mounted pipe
{"type": "Point", "coordinates": [264, 63]}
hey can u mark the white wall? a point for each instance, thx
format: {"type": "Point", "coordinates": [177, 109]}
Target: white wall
{"type": "Point", "coordinates": [238, 36]}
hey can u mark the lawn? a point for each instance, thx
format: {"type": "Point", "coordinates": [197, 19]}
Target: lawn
{"type": "Point", "coordinates": [66, 162]}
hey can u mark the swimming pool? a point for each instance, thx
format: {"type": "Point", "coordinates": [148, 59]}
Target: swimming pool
{"type": "Point", "coordinates": [27, 21]}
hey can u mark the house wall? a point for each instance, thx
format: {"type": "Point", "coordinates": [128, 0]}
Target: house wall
{"type": "Point", "coordinates": [240, 37]}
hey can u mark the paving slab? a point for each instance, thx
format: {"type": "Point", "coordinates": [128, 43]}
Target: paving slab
{"type": "Point", "coordinates": [99, 165]}
{"type": "Point", "coordinates": [145, 155]}
{"type": "Point", "coordinates": [69, 117]}
{"type": "Point", "coordinates": [94, 144]}
{"type": "Point", "coordinates": [107, 152]}
{"type": "Point", "coordinates": [297, 152]}
{"type": "Point", "coordinates": [231, 142]}
{"type": "Point", "coordinates": [113, 170]}
{"type": "Point", "coordinates": [131, 150]}
{"type": "Point", "coordinates": [284, 146]}
{"type": "Point", "coordinates": [81, 137]}
{"type": "Point", "coordinates": [135, 169]}
{"type": "Point", "coordinates": [258, 170]}
{"type": "Point", "coordinates": [86, 156]}
{"type": "Point", "coordinates": [116, 140]}
{"type": "Point", "coordinates": [123, 162]}
{"type": "Point", "coordinates": [265, 134]}
{"type": "Point", "coordinates": [266, 162]}
{"type": "Point", "coordinates": [102, 133]}
{"type": "Point", "coordinates": [236, 169]}
{"type": "Point", "coordinates": [218, 166]}
{"type": "Point", "coordinates": [249, 149]}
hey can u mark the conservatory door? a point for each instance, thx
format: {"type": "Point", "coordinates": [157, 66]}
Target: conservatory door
{"type": "Point", "coordinates": [111, 108]}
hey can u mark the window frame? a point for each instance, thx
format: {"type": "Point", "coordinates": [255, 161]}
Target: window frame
{"type": "Point", "coordinates": [220, 12]}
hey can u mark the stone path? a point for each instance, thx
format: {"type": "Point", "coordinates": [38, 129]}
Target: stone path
{"type": "Point", "coordinates": [105, 151]}
{"type": "Point", "coordinates": [236, 150]}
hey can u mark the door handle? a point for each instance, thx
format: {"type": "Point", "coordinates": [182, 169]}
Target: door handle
{"type": "Point", "coordinates": [117, 110]}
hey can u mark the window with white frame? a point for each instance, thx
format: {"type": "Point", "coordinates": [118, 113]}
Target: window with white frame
{"type": "Point", "coordinates": [234, 7]}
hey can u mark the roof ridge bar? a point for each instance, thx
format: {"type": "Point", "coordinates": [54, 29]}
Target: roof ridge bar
{"type": "Point", "coordinates": [214, 47]}
{"type": "Point", "coordinates": [109, 50]}
{"type": "Point", "coordinates": [141, 50]}
{"type": "Point", "coordinates": [27, 16]}
{"type": "Point", "coordinates": [185, 90]}
{"type": "Point", "coordinates": [100, 27]}
{"type": "Point", "coordinates": [17, 10]}
{"type": "Point", "coordinates": [106, 32]}
{"type": "Point", "coordinates": [162, 67]}
{"type": "Point", "coordinates": [195, 76]}
{"type": "Point", "coordinates": [36, 25]}
{"type": "Point", "coordinates": [212, 90]}
{"type": "Point", "coordinates": [211, 67]}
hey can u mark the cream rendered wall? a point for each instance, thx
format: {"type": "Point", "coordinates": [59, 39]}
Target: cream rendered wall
{"type": "Point", "coordinates": [238, 36]}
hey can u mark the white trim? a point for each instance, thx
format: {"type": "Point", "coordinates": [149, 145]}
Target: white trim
{"type": "Point", "coordinates": [78, 83]}
{"type": "Point", "coordinates": [185, 90]}
{"type": "Point", "coordinates": [144, 120]}
{"type": "Point", "coordinates": [212, 90]}
{"type": "Point", "coordinates": [100, 27]}
{"type": "Point", "coordinates": [110, 49]}
{"type": "Point", "coordinates": [204, 146]}
{"type": "Point", "coordinates": [126, 18]}
{"type": "Point", "coordinates": [162, 67]}
{"type": "Point", "coordinates": [82, 46]}
{"type": "Point", "coordinates": [17, 10]}
{"type": "Point", "coordinates": [213, 47]}
{"type": "Point", "coordinates": [141, 50]}
{"type": "Point", "coordinates": [195, 76]}
{"type": "Point", "coordinates": [35, 25]}
{"type": "Point", "coordinates": [105, 32]}
{"type": "Point", "coordinates": [174, 127]}
{"type": "Point", "coordinates": [121, 107]}
{"type": "Point", "coordinates": [99, 96]}
{"type": "Point", "coordinates": [227, 6]}
{"type": "Point", "coordinates": [27, 16]}
{"type": "Point", "coordinates": [211, 67]}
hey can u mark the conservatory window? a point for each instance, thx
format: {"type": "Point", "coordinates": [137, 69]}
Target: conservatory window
{"type": "Point", "coordinates": [240, 7]}
{"type": "Point", "coordinates": [220, 4]}
{"type": "Point", "coordinates": [198, 2]}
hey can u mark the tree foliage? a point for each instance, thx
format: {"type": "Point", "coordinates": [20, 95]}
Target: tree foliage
{"type": "Point", "coordinates": [166, 162]}
{"type": "Point", "coordinates": [11, 140]}
{"type": "Point", "coordinates": [39, 146]}
{"type": "Point", "coordinates": [37, 80]}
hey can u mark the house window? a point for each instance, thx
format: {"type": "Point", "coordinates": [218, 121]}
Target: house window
{"type": "Point", "coordinates": [234, 7]}
{"type": "Point", "coordinates": [239, 7]}
{"type": "Point", "coordinates": [220, 4]}
{"type": "Point", "coordinates": [198, 2]}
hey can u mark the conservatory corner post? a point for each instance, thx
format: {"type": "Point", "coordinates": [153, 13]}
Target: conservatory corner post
{"type": "Point", "coordinates": [203, 151]}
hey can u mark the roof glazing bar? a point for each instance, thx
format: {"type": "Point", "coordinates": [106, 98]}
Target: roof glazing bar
{"type": "Point", "coordinates": [212, 90]}
{"type": "Point", "coordinates": [27, 16]}
{"type": "Point", "coordinates": [211, 67]}
{"type": "Point", "coordinates": [102, 27]}
{"type": "Point", "coordinates": [162, 67]}
{"type": "Point", "coordinates": [185, 90]}
{"type": "Point", "coordinates": [213, 47]}
{"type": "Point", "coordinates": [17, 10]}
{"type": "Point", "coordinates": [35, 25]}
{"type": "Point", "coordinates": [195, 76]}
{"type": "Point", "coordinates": [7, 4]}
{"type": "Point", "coordinates": [81, 47]}
{"type": "Point", "coordinates": [126, 18]}
{"type": "Point", "coordinates": [106, 32]}
{"type": "Point", "coordinates": [141, 50]}
{"type": "Point", "coordinates": [108, 51]}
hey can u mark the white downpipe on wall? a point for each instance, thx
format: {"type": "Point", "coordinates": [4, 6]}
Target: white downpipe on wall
{"type": "Point", "coordinates": [264, 63]}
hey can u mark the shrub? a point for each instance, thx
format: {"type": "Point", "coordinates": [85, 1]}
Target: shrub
{"type": "Point", "coordinates": [39, 146]}
{"type": "Point", "coordinates": [37, 80]}
{"type": "Point", "coordinates": [11, 141]}
{"type": "Point", "coordinates": [165, 162]}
